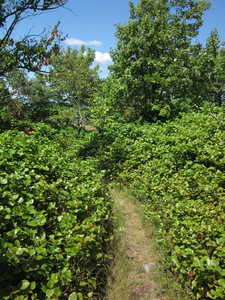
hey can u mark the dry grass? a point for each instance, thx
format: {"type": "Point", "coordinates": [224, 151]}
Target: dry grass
{"type": "Point", "coordinates": [135, 273]}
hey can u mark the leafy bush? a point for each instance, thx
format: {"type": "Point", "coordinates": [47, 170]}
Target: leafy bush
{"type": "Point", "coordinates": [54, 221]}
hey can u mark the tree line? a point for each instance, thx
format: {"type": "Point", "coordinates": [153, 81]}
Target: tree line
{"type": "Point", "coordinates": [159, 68]}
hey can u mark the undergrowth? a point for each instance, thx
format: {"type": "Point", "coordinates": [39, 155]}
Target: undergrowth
{"type": "Point", "coordinates": [176, 170]}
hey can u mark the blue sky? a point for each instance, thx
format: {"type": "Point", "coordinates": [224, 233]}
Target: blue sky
{"type": "Point", "coordinates": [94, 24]}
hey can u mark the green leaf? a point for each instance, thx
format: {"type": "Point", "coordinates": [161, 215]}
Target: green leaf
{"type": "Point", "coordinates": [33, 285]}
{"type": "Point", "coordinates": [189, 251]}
{"type": "Point", "coordinates": [221, 282]}
{"type": "Point", "coordinates": [49, 292]}
{"type": "Point", "coordinates": [24, 284]}
{"type": "Point", "coordinates": [14, 197]}
{"type": "Point", "coordinates": [20, 251]}
{"type": "Point", "coordinates": [42, 221]}
{"type": "Point", "coordinates": [80, 296]}
{"type": "Point", "coordinates": [90, 294]}
{"type": "Point", "coordinates": [32, 223]}
{"type": "Point", "coordinates": [54, 276]}
{"type": "Point", "coordinates": [212, 262]}
{"type": "Point", "coordinates": [31, 252]}
{"type": "Point", "coordinates": [37, 222]}
{"type": "Point", "coordinates": [73, 296]}
{"type": "Point", "coordinates": [83, 283]}
{"type": "Point", "coordinates": [3, 181]}
{"type": "Point", "coordinates": [50, 284]}
{"type": "Point", "coordinates": [193, 284]}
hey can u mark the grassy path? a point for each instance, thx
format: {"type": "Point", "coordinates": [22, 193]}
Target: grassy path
{"type": "Point", "coordinates": [134, 268]}
{"type": "Point", "coordinates": [135, 273]}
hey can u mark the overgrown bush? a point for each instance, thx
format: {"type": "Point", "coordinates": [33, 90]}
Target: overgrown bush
{"type": "Point", "coordinates": [55, 220]}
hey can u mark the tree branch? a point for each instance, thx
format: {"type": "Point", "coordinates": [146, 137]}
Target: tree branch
{"type": "Point", "coordinates": [213, 86]}
{"type": "Point", "coordinates": [17, 12]}
{"type": "Point", "coordinates": [215, 117]}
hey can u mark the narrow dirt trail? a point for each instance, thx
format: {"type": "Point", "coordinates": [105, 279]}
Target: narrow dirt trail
{"type": "Point", "coordinates": [134, 268]}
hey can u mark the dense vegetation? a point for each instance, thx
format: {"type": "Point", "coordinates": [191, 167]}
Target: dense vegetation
{"type": "Point", "coordinates": [155, 125]}
{"type": "Point", "coordinates": [176, 170]}
{"type": "Point", "coordinates": [55, 218]}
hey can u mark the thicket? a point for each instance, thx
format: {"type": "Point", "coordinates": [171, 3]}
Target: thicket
{"type": "Point", "coordinates": [176, 170]}
{"type": "Point", "coordinates": [55, 220]}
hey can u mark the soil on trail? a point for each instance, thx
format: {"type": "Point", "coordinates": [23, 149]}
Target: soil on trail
{"type": "Point", "coordinates": [134, 268]}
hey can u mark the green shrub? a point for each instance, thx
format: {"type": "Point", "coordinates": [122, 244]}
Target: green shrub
{"type": "Point", "coordinates": [54, 221]}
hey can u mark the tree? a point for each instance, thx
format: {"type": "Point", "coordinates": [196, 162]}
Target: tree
{"type": "Point", "coordinates": [39, 103]}
{"type": "Point", "coordinates": [25, 99]}
{"type": "Point", "coordinates": [62, 95]}
{"type": "Point", "coordinates": [154, 57]}
{"type": "Point", "coordinates": [28, 52]}
{"type": "Point", "coordinates": [74, 80]}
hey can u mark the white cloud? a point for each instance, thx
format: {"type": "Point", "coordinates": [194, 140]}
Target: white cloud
{"type": "Point", "coordinates": [76, 42]}
{"type": "Point", "coordinates": [102, 58]}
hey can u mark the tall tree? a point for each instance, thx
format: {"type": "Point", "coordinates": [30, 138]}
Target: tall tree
{"type": "Point", "coordinates": [154, 56]}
